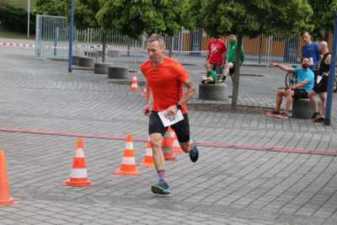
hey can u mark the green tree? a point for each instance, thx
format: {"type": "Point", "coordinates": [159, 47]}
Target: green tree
{"type": "Point", "coordinates": [323, 17]}
{"type": "Point", "coordinates": [50, 7]}
{"type": "Point", "coordinates": [251, 18]}
{"type": "Point", "coordinates": [85, 11]}
{"type": "Point", "coordinates": [85, 14]}
{"type": "Point", "coordinates": [134, 17]}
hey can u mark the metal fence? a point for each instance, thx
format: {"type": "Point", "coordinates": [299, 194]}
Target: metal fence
{"type": "Point", "coordinates": [52, 42]}
{"type": "Point", "coordinates": [51, 39]}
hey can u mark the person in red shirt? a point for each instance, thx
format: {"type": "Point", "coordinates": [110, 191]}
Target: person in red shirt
{"type": "Point", "coordinates": [216, 56]}
{"type": "Point", "coordinates": [165, 82]}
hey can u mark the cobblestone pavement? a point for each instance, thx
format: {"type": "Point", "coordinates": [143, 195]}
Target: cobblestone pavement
{"type": "Point", "coordinates": [233, 185]}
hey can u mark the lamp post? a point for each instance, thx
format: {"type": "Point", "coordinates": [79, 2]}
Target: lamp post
{"type": "Point", "coordinates": [71, 34]}
{"type": "Point", "coordinates": [331, 80]}
{"type": "Point", "coordinates": [28, 17]}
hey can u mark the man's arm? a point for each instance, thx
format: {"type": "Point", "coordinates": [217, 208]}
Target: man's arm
{"type": "Point", "coordinates": [188, 94]}
{"type": "Point", "coordinates": [172, 110]}
{"type": "Point", "coordinates": [300, 85]}
{"type": "Point", "coordinates": [284, 67]}
{"type": "Point", "coordinates": [148, 99]}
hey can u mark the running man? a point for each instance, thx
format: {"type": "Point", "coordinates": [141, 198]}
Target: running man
{"type": "Point", "coordinates": [165, 80]}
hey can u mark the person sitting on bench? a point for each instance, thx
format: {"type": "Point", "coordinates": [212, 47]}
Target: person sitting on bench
{"type": "Point", "coordinates": [302, 89]}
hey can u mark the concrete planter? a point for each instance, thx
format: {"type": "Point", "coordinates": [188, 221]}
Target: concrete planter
{"type": "Point", "coordinates": [302, 108]}
{"type": "Point", "coordinates": [113, 53]}
{"type": "Point", "coordinates": [215, 92]}
{"type": "Point", "coordinates": [117, 72]}
{"type": "Point", "coordinates": [85, 62]}
{"type": "Point", "coordinates": [94, 54]}
{"type": "Point", "coordinates": [101, 68]}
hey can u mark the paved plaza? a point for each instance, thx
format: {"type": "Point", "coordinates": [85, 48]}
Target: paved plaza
{"type": "Point", "coordinates": [253, 170]}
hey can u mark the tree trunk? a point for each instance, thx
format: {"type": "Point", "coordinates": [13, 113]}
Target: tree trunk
{"type": "Point", "coordinates": [129, 46]}
{"type": "Point", "coordinates": [236, 78]}
{"type": "Point", "coordinates": [260, 49]}
{"type": "Point", "coordinates": [171, 46]}
{"type": "Point", "coordinates": [104, 35]}
{"type": "Point", "coordinates": [326, 36]}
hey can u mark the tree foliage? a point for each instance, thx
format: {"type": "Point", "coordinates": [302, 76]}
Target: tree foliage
{"type": "Point", "coordinates": [85, 10]}
{"type": "Point", "coordinates": [85, 13]}
{"type": "Point", "coordinates": [251, 18]}
{"type": "Point", "coordinates": [50, 7]}
{"type": "Point", "coordinates": [11, 18]}
{"type": "Point", "coordinates": [134, 17]}
{"type": "Point", "coordinates": [323, 17]}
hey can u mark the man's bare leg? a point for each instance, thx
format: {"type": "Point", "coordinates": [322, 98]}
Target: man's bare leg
{"type": "Point", "coordinates": [278, 103]}
{"type": "Point", "coordinates": [323, 102]}
{"type": "Point", "coordinates": [159, 163]}
{"type": "Point", "coordinates": [289, 101]}
{"type": "Point", "coordinates": [158, 156]}
{"type": "Point", "coordinates": [227, 68]}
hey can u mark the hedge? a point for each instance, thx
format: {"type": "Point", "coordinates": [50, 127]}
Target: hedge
{"type": "Point", "coordinates": [15, 19]}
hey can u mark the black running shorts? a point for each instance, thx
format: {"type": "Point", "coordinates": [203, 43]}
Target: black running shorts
{"type": "Point", "coordinates": [300, 93]}
{"type": "Point", "coordinates": [182, 128]}
{"type": "Point", "coordinates": [322, 86]}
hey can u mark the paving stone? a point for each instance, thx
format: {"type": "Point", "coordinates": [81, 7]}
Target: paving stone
{"type": "Point", "coordinates": [230, 185]}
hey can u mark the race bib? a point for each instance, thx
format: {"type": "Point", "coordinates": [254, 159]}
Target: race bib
{"type": "Point", "coordinates": [169, 120]}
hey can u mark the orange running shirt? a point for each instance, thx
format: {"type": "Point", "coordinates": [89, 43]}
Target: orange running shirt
{"type": "Point", "coordinates": [165, 82]}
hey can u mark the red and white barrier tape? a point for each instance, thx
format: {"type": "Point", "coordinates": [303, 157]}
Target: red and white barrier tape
{"type": "Point", "coordinates": [16, 45]}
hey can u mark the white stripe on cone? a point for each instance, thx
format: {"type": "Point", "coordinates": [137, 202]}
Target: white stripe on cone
{"type": "Point", "coordinates": [128, 161]}
{"type": "Point", "coordinates": [79, 153]}
{"type": "Point", "coordinates": [79, 173]}
{"type": "Point", "coordinates": [129, 145]}
{"type": "Point", "coordinates": [149, 151]}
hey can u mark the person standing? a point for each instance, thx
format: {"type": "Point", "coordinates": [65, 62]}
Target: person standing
{"type": "Point", "coordinates": [231, 56]}
{"type": "Point", "coordinates": [321, 86]}
{"type": "Point", "coordinates": [216, 56]}
{"type": "Point", "coordinates": [166, 100]}
{"type": "Point", "coordinates": [311, 51]}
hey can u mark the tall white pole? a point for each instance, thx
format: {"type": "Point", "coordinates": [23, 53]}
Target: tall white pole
{"type": "Point", "coordinates": [28, 17]}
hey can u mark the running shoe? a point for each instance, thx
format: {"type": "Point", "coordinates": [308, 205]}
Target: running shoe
{"type": "Point", "coordinates": [319, 120]}
{"type": "Point", "coordinates": [275, 112]}
{"type": "Point", "coordinates": [161, 188]}
{"type": "Point", "coordinates": [194, 153]}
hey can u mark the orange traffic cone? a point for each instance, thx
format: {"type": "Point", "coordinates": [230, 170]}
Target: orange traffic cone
{"type": "Point", "coordinates": [5, 197]}
{"type": "Point", "coordinates": [128, 166]}
{"type": "Point", "coordinates": [78, 176]}
{"type": "Point", "coordinates": [167, 146]}
{"type": "Point", "coordinates": [148, 158]}
{"type": "Point", "coordinates": [176, 146]}
{"type": "Point", "coordinates": [134, 84]}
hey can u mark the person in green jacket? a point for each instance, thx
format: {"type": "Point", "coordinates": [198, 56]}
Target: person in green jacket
{"type": "Point", "coordinates": [231, 56]}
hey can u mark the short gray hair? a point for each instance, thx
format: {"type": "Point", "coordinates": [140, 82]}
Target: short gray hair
{"type": "Point", "coordinates": [324, 44]}
{"type": "Point", "coordinates": [156, 37]}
